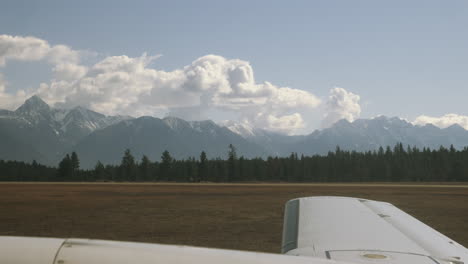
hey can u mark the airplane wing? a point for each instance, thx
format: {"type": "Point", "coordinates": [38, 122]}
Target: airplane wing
{"type": "Point", "coordinates": [363, 231]}
{"type": "Point", "coordinates": [28, 250]}
{"type": "Point", "coordinates": [317, 230]}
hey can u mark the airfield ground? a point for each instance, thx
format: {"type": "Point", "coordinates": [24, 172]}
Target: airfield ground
{"type": "Point", "coordinates": [245, 216]}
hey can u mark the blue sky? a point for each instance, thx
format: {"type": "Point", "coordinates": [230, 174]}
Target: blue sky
{"type": "Point", "coordinates": [402, 58]}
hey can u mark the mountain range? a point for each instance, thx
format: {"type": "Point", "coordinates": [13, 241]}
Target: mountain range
{"type": "Point", "coordinates": [36, 131]}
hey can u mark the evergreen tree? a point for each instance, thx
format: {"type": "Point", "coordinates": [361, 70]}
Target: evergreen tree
{"type": "Point", "coordinates": [232, 159]}
{"type": "Point", "coordinates": [75, 162]}
{"type": "Point", "coordinates": [396, 163]}
{"type": "Point", "coordinates": [99, 171]}
{"type": "Point", "coordinates": [191, 171]}
{"type": "Point", "coordinates": [202, 167]}
{"type": "Point", "coordinates": [165, 167]}
{"type": "Point", "coordinates": [144, 167]}
{"type": "Point", "coordinates": [65, 169]}
{"type": "Point", "coordinates": [128, 167]}
{"type": "Point", "coordinates": [75, 165]}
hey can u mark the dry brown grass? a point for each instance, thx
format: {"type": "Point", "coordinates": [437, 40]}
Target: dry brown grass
{"type": "Point", "coordinates": [247, 217]}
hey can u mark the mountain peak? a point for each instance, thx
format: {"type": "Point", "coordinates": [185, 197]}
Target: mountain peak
{"type": "Point", "coordinates": [380, 117]}
{"type": "Point", "coordinates": [85, 113]}
{"type": "Point", "coordinates": [388, 119]}
{"type": "Point", "coordinates": [33, 104]}
{"type": "Point", "coordinates": [341, 123]}
{"type": "Point", "coordinates": [175, 122]}
{"type": "Point", "coordinates": [456, 127]}
{"type": "Point", "coordinates": [35, 99]}
{"type": "Point", "coordinates": [241, 129]}
{"type": "Point", "coordinates": [80, 108]}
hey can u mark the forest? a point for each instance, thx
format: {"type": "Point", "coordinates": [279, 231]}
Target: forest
{"type": "Point", "coordinates": [390, 164]}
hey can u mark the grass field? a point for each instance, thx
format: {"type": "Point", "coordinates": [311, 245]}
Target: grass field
{"type": "Point", "coordinates": [247, 217]}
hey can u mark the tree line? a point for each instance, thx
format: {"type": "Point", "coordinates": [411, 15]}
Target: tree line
{"type": "Point", "coordinates": [383, 165]}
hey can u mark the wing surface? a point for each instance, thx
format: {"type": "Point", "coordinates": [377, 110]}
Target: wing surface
{"type": "Point", "coordinates": [29, 250]}
{"type": "Point", "coordinates": [363, 231]}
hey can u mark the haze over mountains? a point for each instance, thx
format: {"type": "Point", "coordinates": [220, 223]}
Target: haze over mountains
{"type": "Point", "coordinates": [36, 131]}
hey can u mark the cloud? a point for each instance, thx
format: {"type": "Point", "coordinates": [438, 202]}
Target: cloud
{"type": "Point", "coordinates": [64, 60]}
{"type": "Point", "coordinates": [63, 54]}
{"type": "Point", "coordinates": [287, 124]}
{"type": "Point", "coordinates": [69, 71]}
{"type": "Point", "coordinates": [2, 83]}
{"type": "Point", "coordinates": [127, 85]}
{"type": "Point", "coordinates": [34, 49]}
{"type": "Point", "coordinates": [7, 100]}
{"type": "Point", "coordinates": [22, 48]}
{"type": "Point", "coordinates": [341, 104]}
{"type": "Point", "coordinates": [443, 121]}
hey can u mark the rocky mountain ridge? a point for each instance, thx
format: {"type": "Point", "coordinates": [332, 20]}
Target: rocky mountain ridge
{"type": "Point", "coordinates": [36, 131]}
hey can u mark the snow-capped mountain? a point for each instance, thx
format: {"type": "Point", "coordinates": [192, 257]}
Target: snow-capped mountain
{"type": "Point", "coordinates": [276, 144]}
{"type": "Point", "coordinates": [151, 136]}
{"type": "Point", "coordinates": [370, 134]}
{"type": "Point", "coordinates": [35, 112]}
{"type": "Point", "coordinates": [45, 131]}
{"type": "Point", "coordinates": [243, 129]}
{"type": "Point", "coordinates": [37, 131]}
{"type": "Point", "coordinates": [362, 135]}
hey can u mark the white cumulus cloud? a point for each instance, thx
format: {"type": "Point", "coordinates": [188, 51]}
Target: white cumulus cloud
{"type": "Point", "coordinates": [127, 85]}
{"type": "Point", "coordinates": [443, 121]}
{"type": "Point", "coordinates": [64, 59]}
{"type": "Point", "coordinates": [287, 124]}
{"type": "Point", "coordinates": [8, 100]}
{"type": "Point", "coordinates": [69, 71]}
{"type": "Point", "coordinates": [341, 104]}
{"type": "Point", "coordinates": [34, 49]}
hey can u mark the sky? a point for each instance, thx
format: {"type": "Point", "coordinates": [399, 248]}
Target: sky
{"type": "Point", "coordinates": [285, 66]}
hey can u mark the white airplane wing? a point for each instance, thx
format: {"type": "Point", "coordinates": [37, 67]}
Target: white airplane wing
{"type": "Point", "coordinates": [28, 250]}
{"type": "Point", "coordinates": [317, 230]}
{"type": "Point", "coordinates": [363, 231]}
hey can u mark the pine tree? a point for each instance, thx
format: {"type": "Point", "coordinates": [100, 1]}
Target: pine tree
{"type": "Point", "coordinates": [202, 167]}
{"type": "Point", "coordinates": [165, 167]}
{"type": "Point", "coordinates": [99, 171]}
{"type": "Point", "coordinates": [232, 159]}
{"type": "Point", "coordinates": [65, 169]}
{"type": "Point", "coordinates": [144, 167]}
{"type": "Point", "coordinates": [75, 165]}
{"type": "Point", "coordinates": [75, 162]}
{"type": "Point", "coordinates": [128, 166]}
